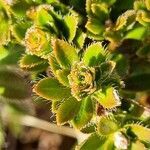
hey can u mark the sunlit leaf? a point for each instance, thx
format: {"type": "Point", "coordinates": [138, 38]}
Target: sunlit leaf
{"type": "Point", "coordinates": [51, 89]}
{"type": "Point", "coordinates": [107, 125]}
{"type": "Point", "coordinates": [53, 64]}
{"type": "Point", "coordinates": [94, 54]}
{"type": "Point", "coordinates": [143, 133]}
{"type": "Point", "coordinates": [62, 76]}
{"type": "Point", "coordinates": [33, 63]}
{"type": "Point", "coordinates": [95, 27]}
{"type": "Point", "coordinates": [93, 142]}
{"type": "Point", "coordinates": [79, 39]}
{"type": "Point", "coordinates": [19, 30]}
{"type": "Point", "coordinates": [108, 98]}
{"type": "Point", "coordinates": [136, 33]}
{"type": "Point", "coordinates": [65, 53]}
{"type": "Point", "coordinates": [85, 113]}
{"type": "Point", "coordinates": [67, 110]}
{"type": "Point", "coordinates": [71, 26]}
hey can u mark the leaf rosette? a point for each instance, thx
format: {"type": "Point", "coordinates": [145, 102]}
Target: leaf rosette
{"type": "Point", "coordinates": [82, 80]}
{"type": "Point", "coordinates": [79, 81]}
{"type": "Point", "coordinates": [37, 42]}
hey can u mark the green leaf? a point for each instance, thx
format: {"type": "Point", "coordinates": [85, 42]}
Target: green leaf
{"type": "Point", "coordinates": [19, 30]}
{"type": "Point", "coordinates": [55, 105]}
{"type": "Point", "coordinates": [79, 39]}
{"type": "Point", "coordinates": [139, 5]}
{"type": "Point", "coordinates": [4, 52]}
{"type": "Point", "coordinates": [106, 69]}
{"type": "Point", "coordinates": [65, 53]}
{"type": "Point", "coordinates": [85, 113]}
{"type": "Point", "coordinates": [19, 9]}
{"type": "Point", "coordinates": [95, 27]}
{"type": "Point", "coordinates": [108, 97]}
{"type": "Point", "coordinates": [137, 33]}
{"type": "Point", "coordinates": [51, 89]}
{"type": "Point", "coordinates": [43, 17]}
{"type": "Point", "coordinates": [10, 54]}
{"type": "Point", "coordinates": [62, 76]}
{"type": "Point", "coordinates": [108, 145]}
{"type": "Point", "coordinates": [33, 63]}
{"type": "Point", "coordinates": [93, 142]}
{"type": "Point", "coordinates": [13, 85]}
{"type": "Point", "coordinates": [126, 19]}
{"type": "Point", "coordinates": [54, 65]}
{"type": "Point", "coordinates": [94, 36]}
{"type": "Point", "coordinates": [94, 54]}
{"type": "Point", "coordinates": [88, 7]}
{"type": "Point", "coordinates": [138, 82]}
{"type": "Point", "coordinates": [89, 128]}
{"type": "Point", "coordinates": [143, 17]}
{"type": "Point", "coordinates": [109, 2]}
{"type": "Point", "coordinates": [71, 26]}
{"type": "Point", "coordinates": [101, 11]}
{"type": "Point", "coordinates": [107, 126]}
{"type": "Point", "coordinates": [30, 61]}
{"type": "Point", "coordinates": [67, 110]}
{"type": "Point", "coordinates": [142, 132]}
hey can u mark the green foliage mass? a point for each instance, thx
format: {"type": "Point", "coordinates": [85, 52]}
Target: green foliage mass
{"type": "Point", "coordinates": [96, 57]}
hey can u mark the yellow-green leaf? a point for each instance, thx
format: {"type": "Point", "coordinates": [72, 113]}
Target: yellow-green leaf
{"type": "Point", "coordinates": [137, 33]}
{"type": "Point", "coordinates": [54, 65]}
{"type": "Point", "coordinates": [67, 110]}
{"type": "Point", "coordinates": [71, 26]}
{"type": "Point", "coordinates": [85, 113]}
{"type": "Point", "coordinates": [33, 63]}
{"type": "Point", "coordinates": [65, 53]}
{"type": "Point", "coordinates": [62, 76]}
{"type": "Point", "coordinates": [107, 125]}
{"type": "Point", "coordinates": [94, 54]}
{"type": "Point", "coordinates": [95, 27]}
{"type": "Point", "coordinates": [93, 142]}
{"type": "Point", "coordinates": [51, 89]}
{"type": "Point", "coordinates": [79, 39]}
{"type": "Point", "coordinates": [108, 98]}
{"type": "Point", "coordinates": [142, 132]}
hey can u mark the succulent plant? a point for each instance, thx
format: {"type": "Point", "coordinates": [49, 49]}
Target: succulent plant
{"type": "Point", "coordinates": [95, 55]}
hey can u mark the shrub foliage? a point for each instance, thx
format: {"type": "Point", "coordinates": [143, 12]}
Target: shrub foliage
{"type": "Point", "coordinates": [96, 57]}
